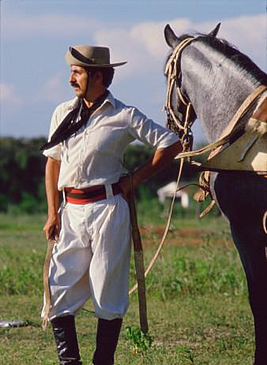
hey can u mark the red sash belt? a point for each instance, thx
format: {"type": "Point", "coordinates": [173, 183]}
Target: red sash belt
{"type": "Point", "coordinates": [89, 195]}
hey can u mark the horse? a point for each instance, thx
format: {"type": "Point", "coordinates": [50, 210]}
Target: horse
{"type": "Point", "coordinates": [215, 78]}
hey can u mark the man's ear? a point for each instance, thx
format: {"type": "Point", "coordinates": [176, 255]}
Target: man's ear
{"type": "Point", "coordinates": [98, 77]}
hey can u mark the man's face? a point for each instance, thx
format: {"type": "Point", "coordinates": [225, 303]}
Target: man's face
{"type": "Point", "coordinates": [78, 80]}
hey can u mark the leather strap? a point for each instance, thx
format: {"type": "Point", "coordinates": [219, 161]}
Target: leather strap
{"type": "Point", "coordinates": [224, 138]}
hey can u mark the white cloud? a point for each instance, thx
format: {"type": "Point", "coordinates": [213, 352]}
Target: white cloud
{"type": "Point", "coordinates": [145, 48]}
{"type": "Point", "coordinates": [150, 35]}
{"type": "Point", "coordinates": [248, 34]}
{"type": "Point", "coordinates": [55, 89]}
{"type": "Point", "coordinates": [9, 96]}
{"type": "Point", "coordinates": [142, 44]}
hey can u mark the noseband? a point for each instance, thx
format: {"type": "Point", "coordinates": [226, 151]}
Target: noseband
{"type": "Point", "coordinates": [184, 129]}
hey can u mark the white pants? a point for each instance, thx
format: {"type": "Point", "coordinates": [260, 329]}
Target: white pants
{"type": "Point", "coordinates": [91, 259]}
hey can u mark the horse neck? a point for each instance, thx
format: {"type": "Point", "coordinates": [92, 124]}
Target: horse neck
{"type": "Point", "coordinates": [215, 87]}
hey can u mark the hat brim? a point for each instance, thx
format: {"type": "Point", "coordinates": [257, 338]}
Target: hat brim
{"type": "Point", "coordinates": [72, 61]}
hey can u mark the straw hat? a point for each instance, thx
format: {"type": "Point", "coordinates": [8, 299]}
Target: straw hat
{"type": "Point", "coordinates": [89, 56]}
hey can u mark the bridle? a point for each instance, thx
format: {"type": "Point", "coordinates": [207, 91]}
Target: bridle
{"type": "Point", "coordinates": [183, 128]}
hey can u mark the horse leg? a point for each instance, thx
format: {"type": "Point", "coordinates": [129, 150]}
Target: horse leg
{"type": "Point", "coordinates": [255, 265]}
{"type": "Point", "coordinates": [243, 199]}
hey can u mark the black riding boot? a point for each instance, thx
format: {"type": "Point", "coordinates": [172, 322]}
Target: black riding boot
{"type": "Point", "coordinates": [106, 341]}
{"type": "Point", "coordinates": [66, 340]}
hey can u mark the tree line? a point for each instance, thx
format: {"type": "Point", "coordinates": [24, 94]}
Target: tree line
{"type": "Point", "coordinates": [22, 167]}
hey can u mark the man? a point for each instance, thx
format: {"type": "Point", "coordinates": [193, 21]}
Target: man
{"type": "Point", "coordinates": [88, 136]}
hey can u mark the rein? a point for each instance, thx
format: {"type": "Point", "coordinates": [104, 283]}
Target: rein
{"type": "Point", "coordinates": [160, 246]}
{"type": "Point", "coordinates": [171, 73]}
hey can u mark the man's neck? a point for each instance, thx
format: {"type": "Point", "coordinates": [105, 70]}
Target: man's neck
{"type": "Point", "coordinates": [90, 99]}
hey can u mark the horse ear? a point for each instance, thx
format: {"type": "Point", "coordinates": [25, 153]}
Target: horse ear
{"type": "Point", "coordinates": [170, 37]}
{"type": "Point", "coordinates": [215, 31]}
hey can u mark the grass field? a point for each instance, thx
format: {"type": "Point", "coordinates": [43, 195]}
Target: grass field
{"type": "Point", "coordinates": [197, 298]}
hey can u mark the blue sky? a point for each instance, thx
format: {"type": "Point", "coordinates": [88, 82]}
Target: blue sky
{"type": "Point", "coordinates": [35, 35]}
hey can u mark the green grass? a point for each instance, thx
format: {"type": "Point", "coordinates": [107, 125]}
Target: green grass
{"type": "Point", "coordinates": [197, 298]}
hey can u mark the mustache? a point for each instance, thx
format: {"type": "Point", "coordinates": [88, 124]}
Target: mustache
{"type": "Point", "coordinates": [74, 84]}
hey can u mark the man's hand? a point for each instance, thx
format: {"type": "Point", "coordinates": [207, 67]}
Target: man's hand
{"type": "Point", "coordinates": [52, 227]}
{"type": "Point", "coordinates": [125, 184]}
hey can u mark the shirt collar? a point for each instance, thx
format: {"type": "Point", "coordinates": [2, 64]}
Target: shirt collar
{"type": "Point", "coordinates": [73, 104]}
{"type": "Point", "coordinates": [109, 99]}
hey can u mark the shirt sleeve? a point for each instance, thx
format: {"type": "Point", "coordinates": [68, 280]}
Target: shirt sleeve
{"type": "Point", "coordinates": [149, 132]}
{"type": "Point", "coordinates": [54, 152]}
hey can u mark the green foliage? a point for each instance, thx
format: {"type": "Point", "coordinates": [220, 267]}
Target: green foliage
{"type": "Point", "coordinates": [135, 155]}
{"type": "Point", "coordinates": [20, 272]}
{"type": "Point", "coordinates": [138, 340]}
{"type": "Point", "coordinates": [212, 269]}
{"type": "Point", "coordinates": [4, 202]}
{"type": "Point", "coordinates": [186, 353]}
{"type": "Point", "coordinates": [21, 173]}
{"type": "Point", "coordinates": [28, 203]}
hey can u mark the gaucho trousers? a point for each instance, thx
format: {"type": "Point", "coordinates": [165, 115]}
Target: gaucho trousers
{"type": "Point", "coordinates": [91, 259]}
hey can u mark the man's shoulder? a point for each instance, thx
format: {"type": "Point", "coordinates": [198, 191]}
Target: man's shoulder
{"type": "Point", "coordinates": [120, 105]}
{"type": "Point", "coordinates": [66, 106]}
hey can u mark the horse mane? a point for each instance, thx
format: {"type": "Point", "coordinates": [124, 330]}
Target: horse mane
{"type": "Point", "coordinates": [242, 61]}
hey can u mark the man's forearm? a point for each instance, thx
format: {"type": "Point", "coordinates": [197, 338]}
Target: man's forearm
{"type": "Point", "coordinates": [51, 181]}
{"type": "Point", "coordinates": [161, 158]}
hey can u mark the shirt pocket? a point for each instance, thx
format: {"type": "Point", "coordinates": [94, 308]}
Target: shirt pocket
{"type": "Point", "coordinates": [106, 139]}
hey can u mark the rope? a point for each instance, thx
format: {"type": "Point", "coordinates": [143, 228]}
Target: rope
{"type": "Point", "coordinates": [171, 73]}
{"type": "Point", "coordinates": [264, 222]}
{"type": "Point", "coordinates": [171, 79]}
{"type": "Point", "coordinates": [156, 255]}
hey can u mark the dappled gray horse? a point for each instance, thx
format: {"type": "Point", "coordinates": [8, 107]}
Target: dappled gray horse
{"type": "Point", "coordinates": [216, 78]}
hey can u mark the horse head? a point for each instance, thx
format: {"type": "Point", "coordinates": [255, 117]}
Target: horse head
{"type": "Point", "coordinates": [182, 114]}
{"type": "Point", "coordinates": [208, 79]}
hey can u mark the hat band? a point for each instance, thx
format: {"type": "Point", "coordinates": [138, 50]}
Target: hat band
{"type": "Point", "coordinates": [76, 54]}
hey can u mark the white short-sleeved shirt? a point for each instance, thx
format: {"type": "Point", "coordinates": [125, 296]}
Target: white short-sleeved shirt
{"type": "Point", "coordinates": [94, 155]}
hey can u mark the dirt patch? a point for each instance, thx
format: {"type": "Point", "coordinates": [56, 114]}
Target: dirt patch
{"type": "Point", "coordinates": [186, 236]}
{"type": "Point", "coordinates": [179, 237]}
